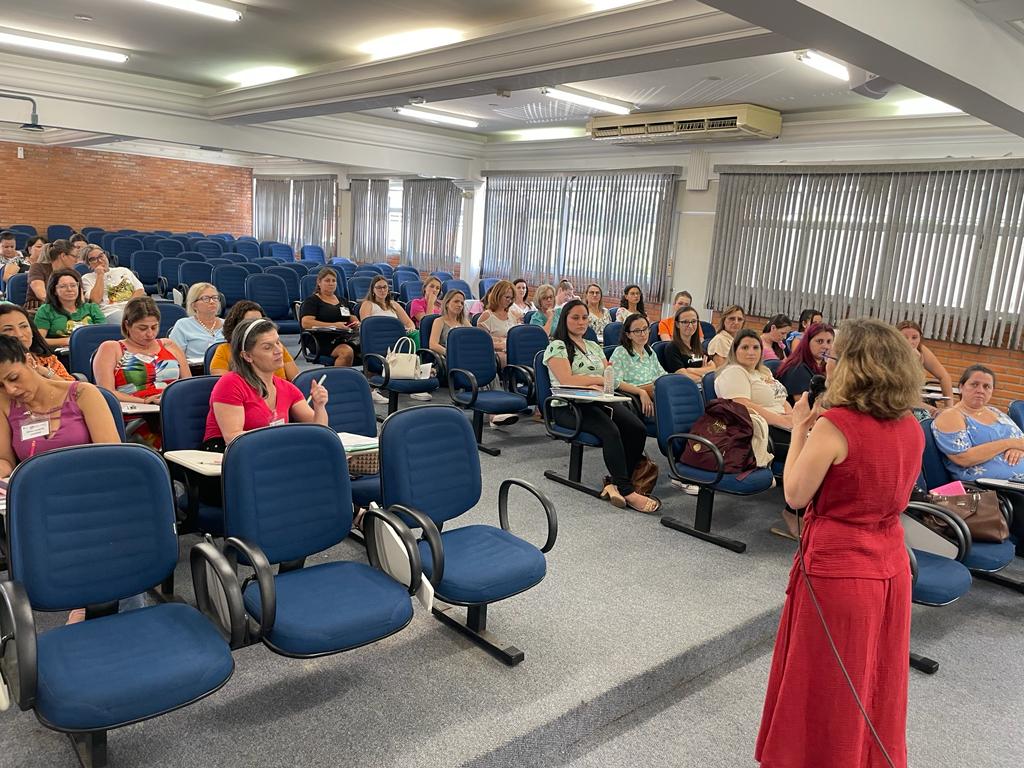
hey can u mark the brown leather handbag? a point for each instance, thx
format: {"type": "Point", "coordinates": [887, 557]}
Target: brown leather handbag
{"type": "Point", "coordinates": [645, 476]}
{"type": "Point", "coordinates": [980, 510]}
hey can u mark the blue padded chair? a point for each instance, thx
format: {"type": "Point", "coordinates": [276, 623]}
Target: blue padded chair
{"type": "Point", "coordinates": [471, 368]}
{"type": "Point", "coordinates": [59, 232]}
{"type": "Point", "coordinates": [401, 277]}
{"type": "Point", "coordinates": [312, 267]}
{"type": "Point", "coordinates": [591, 335]}
{"type": "Point", "coordinates": [305, 610]}
{"type": "Point", "coordinates": [358, 287]}
{"type": "Point", "coordinates": [290, 278]}
{"type": "Point", "coordinates": [271, 293]}
{"type": "Point", "coordinates": [652, 335]}
{"type": "Point", "coordinates": [442, 275]}
{"type": "Point", "coordinates": [266, 263]}
{"type": "Point", "coordinates": [20, 240]}
{"type": "Point", "coordinates": [26, 229]}
{"type": "Point", "coordinates": [527, 316]}
{"type": "Point", "coordinates": [522, 343]}
{"type": "Point", "coordinates": [707, 385]}
{"type": "Point", "coordinates": [377, 334]}
{"type": "Point", "coordinates": [123, 247]}
{"type": "Point", "coordinates": [281, 252]}
{"type": "Point", "coordinates": [208, 356]}
{"type": "Point", "coordinates": [230, 281]}
{"type": "Point", "coordinates": [194, 235]}
{"type": "Point", "coordinates": [349, 409]}
{"type": "Point", "coordinates": [192, 256]}
{"type": "Point", "coordinates": [234, 258]}
{"type": "Point", "coordinates": [252, 269]}
{"type": "Point", "coordinates": [209, 248]}
{"type": "Point", "coordinates": [707, 330]}
{"type": "Point", "coordinates": [346, 269]}
{"type": "Point", "coordinates": [486, 284]}
{"type": "Point", "coordinates": [219, 261]}
{"type": "Point", "coordinates": [472, 565]}
{"type": "Point", "coordinates": [307, 287]}
{"type": "Point", "coordinates": [86, 231]}
{"type": "Point", "coordinates": [1016, 412]}
{"type": "Point", "coordinates": [146, 266]}
{"type": "Point", "coordinates": [248, 249]}
{"type": "Point", "coordinates": [162, 232]}
{"type": "Point", "coordinates": [474, 320]}
{"type": "Point", "coordinates": [772, 365]}
{"type": "Point", "coordinates": [128, 232]}
{"type": "Point", "coordinates": [184, 406]}
{"type": "Point", "coordinates": [168, 275]}
{"type": "Point", "coordinates": [985, 558]}
{"type": "Point", "coordinates": [660, 348]}
{"type": "Point", "coordinates": [457, 285]}
{"type": "Point", "coordinates": [265, 247]}
{"type": "Point", "coordinates": [169, 314]}
{"type": "Point", "coordinates": [149, 242]}
{"type": "Point", "coordinates": [368, 270]}
{"type": "Point", "coordinates": [612, 334]}
{"type": "Point", "coordinates": [385, 269]}
{"type": "Point", "coordinates": [17, 288]}
{"type": "Point", "coordinates": [300, 269]}
{"type": "Point", "coordinates": [337, 261]}
{"type": "Point", "coordinates": [409, 290]}
{"type": "Point", "coordinates": [107, 240]}
{"type": "Point", "coordinates": [115, 410]}
{"type": "Point", "coordinates": [88, 678]}
{"type": "Point", "coordinates": [312, 253]}
{"type": "Point", "coordinates": [83, 343]}
{"type": "Point", "coordinates": [83, 269]}
{"type": "Point", "coordinates": [96, 237]}
{"type": "Point", "coordinates": [225, 237]}
{"type": "Point", "coordinates": [678, 404]}
{"type": "Point", "coordinates": [192, 272]}
{"type": "Point", "coordinates": [168, 247]}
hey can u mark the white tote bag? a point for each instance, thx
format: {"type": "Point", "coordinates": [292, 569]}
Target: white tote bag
{"type": "Point", "coordinates": [402, 359]}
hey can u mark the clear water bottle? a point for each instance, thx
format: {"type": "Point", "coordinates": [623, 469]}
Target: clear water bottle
{"type": "Point", "coordinates": [609, 380]}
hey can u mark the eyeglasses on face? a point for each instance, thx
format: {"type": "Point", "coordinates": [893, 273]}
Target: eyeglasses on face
{"type": "Point", "coordinates": [688, 322]}
{"type": "Point", "coordinates": [208, 300]}
{"type": "Point", "coordinates": [639, 331]}
{"type": "Point", "coordinates": [94, 259]}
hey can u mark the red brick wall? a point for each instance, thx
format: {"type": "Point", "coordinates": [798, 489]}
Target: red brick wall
{"type": "Point", "coordinates": [78, 187]}
{"type": "Point", "coordinates": [1008, 365]}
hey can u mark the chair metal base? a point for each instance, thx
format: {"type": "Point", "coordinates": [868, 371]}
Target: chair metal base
{"type": "Point", "coordinates": [701, 527]}
{"type": "Point", "coordinates": [475, 628]}
{"type": "Point", "coordinates": [923, 664]}
{"type": "Point", "coordinates": [478, 433]}
{"type": "Point", "coordinates": [575, 472]}
{"type": "Point", "coordinates": [90, 748]}
{"type": "Point", "coordinates": [1000, 579]}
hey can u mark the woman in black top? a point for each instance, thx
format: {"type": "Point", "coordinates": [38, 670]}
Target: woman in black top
{"type": "Point", "coordinates": [324, 309]}
{"type": "Point", "coordinates": [684, 353]}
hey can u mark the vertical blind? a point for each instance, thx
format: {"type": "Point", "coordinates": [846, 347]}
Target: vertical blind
{"type": "Point", "coordinates": [941, 244]}
{"type": "Point", "coordinates": [612, 228]}
{"type": "Point", "coordinates": [431, 218]}
{"type": "Point", "coordinates": [301, 211]}
{"type": "Point", "coordinates": [369, 219]}
{"type": "Point", "coordinates": [271, 201]}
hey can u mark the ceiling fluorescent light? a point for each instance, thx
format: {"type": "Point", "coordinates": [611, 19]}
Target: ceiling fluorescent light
{"type": "Point", "coordinates": [607, 5]}
{"type": "Point", "coordinates": [203, 9]}
{"type": "Point", "coordinates": [411, 42]}
{"type": "Point", "coordinates": [437, 117]}
{"type": "Point", "coordinates": [67, 49]}
{"type": "Point", "coordinates": [925, 105]}
{"type": "Point", "coordinates": [592, 101]}
{"type": "Point", "coordinates": [547, 134]}
{"type": "Point", "coordinates": [261, 75]}
{"type": "Point", "coordinates": [823, 64]}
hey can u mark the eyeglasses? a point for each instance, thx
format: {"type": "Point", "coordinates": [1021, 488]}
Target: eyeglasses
{"type": "Point", "coordinates": [208, 300]}
{"type": "Point", "coordinates": [94, 259]}
{"type": "Point", "coordinates": [688, 322]}
{"type": "Point", "coordinates": [639, 331]}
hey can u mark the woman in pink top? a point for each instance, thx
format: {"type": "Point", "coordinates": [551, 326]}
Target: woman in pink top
{"type": "Point", "coordinates": [429, 303]}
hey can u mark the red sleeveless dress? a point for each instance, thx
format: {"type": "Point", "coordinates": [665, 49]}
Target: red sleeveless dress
{"type": "Point", "coordinates": [858, 566]}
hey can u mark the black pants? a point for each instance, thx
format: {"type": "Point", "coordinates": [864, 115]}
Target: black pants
{"type": "Point", "coordinates": [781, 439]}
{"type": "Point", "coordinates": [622, 434]}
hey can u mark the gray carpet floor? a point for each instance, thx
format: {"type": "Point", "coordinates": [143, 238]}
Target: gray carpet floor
{"type": "Point", "coordinates": [643, 646]}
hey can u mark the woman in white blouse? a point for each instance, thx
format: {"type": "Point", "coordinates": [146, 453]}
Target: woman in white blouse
{"type": "Point", "coordinates": [733, 318]}
{"type": "Point", "coordinates": [520, 305]}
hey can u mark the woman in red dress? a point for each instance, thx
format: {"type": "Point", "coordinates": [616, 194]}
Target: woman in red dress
{"type": "Point", "coordinates": [854, 473]}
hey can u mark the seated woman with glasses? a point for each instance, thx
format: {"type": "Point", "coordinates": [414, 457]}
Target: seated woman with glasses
{"type": "Point", "coordinates": [575, 361]}
{"type": "Point", "coordinates": [632, 302]}
{"type": "Point", "coordinates": [547, 314]}
{"type": "Point", "coordinates": [110, 287]}
{"type": "Point", "coordinates": [807, 360]}
{"type": "Point", "coordinates": [15, 322]}
{"type": "Point", "coordinates": [378, 301]}
{"type": "Point", "coordinates": [636, 366]}
{"type": "Point", "coordinates": [241, 311]}
{"type": "Point", "coordinates": [733, 318]}
{"type": "Point", "coordinates": [599, 315]}
{"type": "Point", "coordinates": [55, 256]}
{"type": "Point", "coordinates": [325, 310]}
{"type": "Point", "coordinates": [685, 354]}
{"type": "Point", "coordinates": [64, 309]}
{"type": "Point", "coordinates": [202, 328]}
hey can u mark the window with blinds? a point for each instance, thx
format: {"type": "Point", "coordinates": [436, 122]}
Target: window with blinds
{"type": "Point", "coordinates": [941, 244]}
{"type": "Point", "coordinates": [608, 227]}
{"type": "Point", "coordinates": [296, 211]}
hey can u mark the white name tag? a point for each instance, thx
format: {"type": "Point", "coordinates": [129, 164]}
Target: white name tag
{"type": "Point", "coordinates": [276, 422]}
{"type": "Point", "coordinates": [343, 311]}
{"type": "Point", "coordinates": [33, 429]}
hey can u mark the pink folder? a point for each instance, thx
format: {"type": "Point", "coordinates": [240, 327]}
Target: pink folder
{"type": "Point", "coordinates": [956, 488]}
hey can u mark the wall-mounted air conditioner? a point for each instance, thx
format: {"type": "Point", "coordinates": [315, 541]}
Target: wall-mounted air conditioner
{"type": "Point", "coordinates": [731, 122]}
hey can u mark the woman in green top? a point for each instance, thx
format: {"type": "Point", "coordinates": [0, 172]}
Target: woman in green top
{"type": "Point", "coordinates": [64, 309]}
{"type": "Point", "coordinates": [547, 314]}
{"type": "Point", "coordinates": [573, 361]}
{"type": "Point", "coordinates": [636, 365]}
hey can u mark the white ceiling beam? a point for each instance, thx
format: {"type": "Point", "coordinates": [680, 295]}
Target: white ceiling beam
{"type": "Point", "coordinates": [944, 50]}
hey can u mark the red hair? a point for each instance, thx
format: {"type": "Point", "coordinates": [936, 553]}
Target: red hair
{"type": "Point", "coordinates": [803, 354]}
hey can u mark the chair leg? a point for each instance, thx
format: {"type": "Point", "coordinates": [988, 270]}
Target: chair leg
{"type": "Point", "coordinates": [475, 628]}
{"type": "Point", "coordinates": [91, 748]}
{"type": "Point", "coordinates": [1001, 579]}
{"type": "Point", "coordinates": [923, 664]}
{"type": "Point", "coordinates": [575, 472]}
{"type": "Point", "coordinates": [701, 527]}
{"type": "Point", "coordinates": [478, 433]}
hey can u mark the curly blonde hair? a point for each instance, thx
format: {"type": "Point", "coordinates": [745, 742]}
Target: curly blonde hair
{"type": "Point", "coordinates": [876, 372]}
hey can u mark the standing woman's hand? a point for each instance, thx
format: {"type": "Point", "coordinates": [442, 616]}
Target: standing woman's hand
{"type": "Point", "coordinates": [803, 415]}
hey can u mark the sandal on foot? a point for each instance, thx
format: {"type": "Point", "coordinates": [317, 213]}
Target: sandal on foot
{"type": "Point", "coordinates": [653, 506]}
{"type": "Point", "coordinates": [611, 494]}
{"type": "Point", "coordinates": [783, 533]}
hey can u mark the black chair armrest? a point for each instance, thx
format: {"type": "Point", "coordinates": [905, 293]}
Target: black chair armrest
{"type": "Point", "coordinates": [385, 369]}
{"type": "Point", "coordinates": [545, 502]}
{"type": "Point", "coordinates": [206, 554]}
{"type": "Point", "coordinates": [18, 644]}
{"type": "Point", "coordinates": [516, 374]}
{"type": "Point", "coordinates": [434, 359]}
{"type": "Point", "coordinates": [703, 441]}
{"type": "Point", "coordinates": [80, 377]}
{"type": "Point", "coordinates": [385, 517]}
{"type": "Point", "coordinates": [913, 565]}
{"type": "Point", "coordinates": [430, 534]}
{"type": "Point", "coordinates": [295, 310]}
{"type": "Point", "coordinates": [264, 579]}
{"type": "Point", "coordinates": [549, 418]}
{"type": "Point", "coordinates": [943, 523]}
{"type": "Point", "coordinates": [161, 286]}
{"type": "Point", "coordinates": [474, 388]}
{"type": "Point", "coordinates": [183, 290]}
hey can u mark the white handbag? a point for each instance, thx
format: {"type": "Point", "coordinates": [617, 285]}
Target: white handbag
{"type": "Point", "coordinates": [402, 359]}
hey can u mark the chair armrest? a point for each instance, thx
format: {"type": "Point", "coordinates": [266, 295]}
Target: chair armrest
{"type": "Point", "coordinates": [545, 502]}
{"type": "Point", "coordinates": [183, 290]}
{"type": "Point", "coordinates": [549, 419]}
{"type": "Point", "coordinates": [206, 554]}
{"type": "Point", "coordinates": [913, 565]}
{"type": "Point", "coordinates": [474, 388]}
{"type": "Point", "coordinates": [524, 375]}
{"type": "Point", "coordinates": [953, 529]}
{"type": "Point", "coordinates": [295, 311]}
{"type": "Point", "coordinates": [430, 534]}
{"type": "Point", "coordinates": [18, 644]}
{"type": "Point", "coordinates": [434, 360]}
{"type": "Point", "coordinates": [264, 579]}
{"type": "Point", "coordinates": [80, 377]}
{"type": "Point", "coordinates": [161, 283]}
{"type": "Point", "coordinates": [703, 441]}
{"type": "Point", "coordinates": [385, 369]}
{"type": "Point", "coordinates": [386, 517]}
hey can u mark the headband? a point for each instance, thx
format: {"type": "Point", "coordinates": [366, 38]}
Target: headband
{"type": "Point", "coordinates": [248, 330]}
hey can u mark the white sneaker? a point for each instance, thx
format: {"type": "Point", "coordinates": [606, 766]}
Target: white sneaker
{"type": "Point", "coordinates": [503, 419]}
{"type": "Point", "coordinates": [378, 397]}
{"type": "Point", "coordinates": [692, 490]}
{"type": "Point", "coordinates": [421, 396]}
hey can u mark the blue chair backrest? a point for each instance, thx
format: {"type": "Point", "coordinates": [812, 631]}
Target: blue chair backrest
{"type": "Point", "coordinates": [660, 348]}
{"type": "Point", "coordinates": [168, 247]}
{"type": "Point", "coordinates": [677, 405]}
{"type": "Point", "coordinates": [376, 336]}
{"type": "Point", "coordinates": [169, 315]}
{"type": "Point", "coordinates": [358, 287]}
{"type": "Point", "coordinates": [209, 248]}
{"type": "Point", "coordinates": [130, 544]}
{"type": "Point", "coordinates": [472, 349]}
{"type": "Point", "coordinates": [348, 270]}
{"type": "Point", "coordinates": [184, 406]}
{"type": "Point", "coordinates": [311, 267]}
{"type": "Point", "coordinates": [123, 247]}
{"type": "Point", "coordinates": [707, 383]}
{"type": "Point", "coordinates": [208, 355]}
{"type": "Point", "coordinates": [591, 335]}
{"type": "Point", "coordinates": [169, 267]}
{"type": "Point", "coordinates": [146, 266]}
{"type": "Point", "coordinates": [401, 277]}
{"type": "Point", "coordinates": [58, 232]}
{"type": "Point", "coordinates": [162, 232]}
{"type": "Point", "coordinates": [707, 330]}
{"type": "Point", "coordinates": [149, 242]}
{"type": "Point", "coordinates": [27, 229]}
{"type": "Point", "coordinates": [652, 334]}
{"type": "Point", "coordinates": [224, 237]}
{"type": "Point", "coordinates": [349, 406]}
{"type": "Point", "coordinates": [1016, 412]}
{"type": "Point", "coordinates": [192, 272]}
{"type": "Point", "coordinates": [84, 342]}
{"type": "Point", "coordinates": [412, 289]}
{"type": "Point", "coordinates": [772, 365]}
{"type": "Point", "coordinates": [297, 267]}
{"type": "Point", "coordinates": [307, 287]}
{"type": "Point", "coordinates": [266, 263]}
{"type": "Point", "coordinates": [265, 506]}
{"type": "Point", "coordinates": [523, 342]}
{"type": "Point", "coordinates": [312, 253]}
{"type": "Point", "coordinates": [265, 247]}
{"type": "Point", "coordinates": [234, 258]}
{"type": "Point", "coordinates": [247, 248]}
{"type": "Point", "coordinates": [192, 256]}
{"type": "Point", "coordinates": [107, 240]}
{"type": "Point", "coordinates": [426, 327]}
{"type": "Point", "coordinates": [83, 269]}
{"type": "Point", "coordinates": [195, 235]}
{"type": "Point", "coordinates": [96, 237]}
{"type": "Point", "coordinates": [457, 285]}
{"type": "Point", "coordinates": [367, 271]}
{"type": "Point", "coordinates": [474, 320]}
{"type": "Point", "coordinates": [486, 284]}
{"type": "Point", "coordinates": [527, 316]}
{"type": "Point", "coordinates": [230, 281]}
{"type": "Point", "coordinates": [20, 240]}
{"type": "Point", "coordinates": [612, 334]}
{"type": "Point", "coordinates": [17, 288]}
{"type": "Point", "coordinates": [281, 252]}
{"type": "Point", "coordinates": [933, 468]}
{"type": "Point", "coordinates": [339, 260]}
{"type": "Point", "coordinates": [86, 231]}
{"type": "Point", "coordinates": [290, 278]}
{"type": "Point", "coordinates": [442, 275]}
{"type": "Point", "coordinates": [385, 269]}
{"type": "Point", "coordinates": [183, 239]}
{"type": "Point", "coordinates": [252, 269]}
{"type": "Point", "coordinates": [115, 411]}
{"type": "Point", "coordinates": [442, 484]}
{"type": "Point", "coordinates": [219, 261]}
{"type": "Point", "coordinates": [271, 293]}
